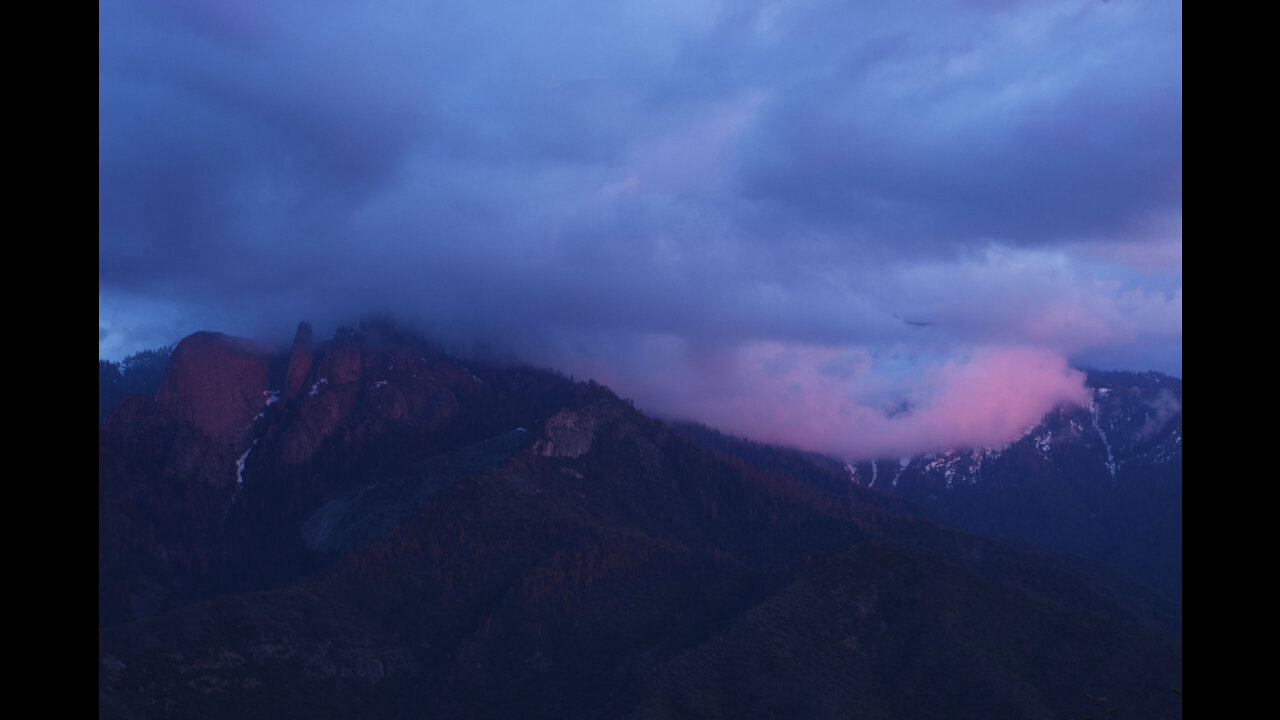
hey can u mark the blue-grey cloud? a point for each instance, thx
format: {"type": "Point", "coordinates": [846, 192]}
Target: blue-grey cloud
{"type": "Point", "coordinates": [593, 183]}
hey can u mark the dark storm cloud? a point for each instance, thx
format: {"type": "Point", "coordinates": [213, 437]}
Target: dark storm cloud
{"type": "Point", "coordinates": [633, 189]}
{"type": "Point", "coordinates": [1088, 169]}
{"type": "Point", "coordinates": [973, 133]}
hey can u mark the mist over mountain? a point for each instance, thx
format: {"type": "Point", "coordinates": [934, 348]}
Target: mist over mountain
{"type": "Point", "coordinates": [369, 526]}
{"type": "Point", "coordinates": [1103, 480]}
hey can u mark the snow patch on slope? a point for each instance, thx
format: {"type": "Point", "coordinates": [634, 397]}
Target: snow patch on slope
{"type": "Point", "coordinates": [902, 465]}
{"type": "Point", "coordinates": [957, 465]}
{"type": "Point", "coordinates": [1111, 460]}
{"type": "Point", "coordinates": [1043, 443]}
{"type": "Point", "coordinates": [240, 464]}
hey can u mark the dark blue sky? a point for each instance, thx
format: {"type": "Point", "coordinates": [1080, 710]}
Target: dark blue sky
{"type": "Point", "coordinates": [739, 211]}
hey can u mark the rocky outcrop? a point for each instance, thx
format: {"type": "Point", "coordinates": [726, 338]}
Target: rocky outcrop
{"type": "Point", "coordinates": [323, 388]}
{"type": "Point", "coordinates": [357, 385]}
{"type": "Point", "coordinates": [574, 432]}
{"type": "Point", "coordinates": [568, 433]}
{"type": "Point", "coordinates": [217, 383]}
{"type": "Point", "coordinates": [340, 362]}
{"type": "Point", "coordinates": [301, 358]}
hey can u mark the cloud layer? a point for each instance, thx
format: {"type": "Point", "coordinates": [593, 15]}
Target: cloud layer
{"type": "Point", "coordinates": [672, 196]}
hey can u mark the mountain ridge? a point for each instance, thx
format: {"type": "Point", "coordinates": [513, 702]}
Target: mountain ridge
{"type": "Point", "coordinates": [502, 540]}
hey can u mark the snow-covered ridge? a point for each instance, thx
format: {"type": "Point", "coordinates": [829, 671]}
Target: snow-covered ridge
{"type": "Point", "coordinates": [1120, 422]}
{"type": "Point", "coordinates": [957, 465]}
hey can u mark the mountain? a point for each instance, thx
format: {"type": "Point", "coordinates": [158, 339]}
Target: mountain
{"type": "Point", "coordinates": [367, 526]}
{"type": "Point", "coordinates": [1103, 481]}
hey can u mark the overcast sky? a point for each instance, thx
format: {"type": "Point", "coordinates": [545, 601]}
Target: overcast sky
{"type": "Point", "coordinates": [856, 227]}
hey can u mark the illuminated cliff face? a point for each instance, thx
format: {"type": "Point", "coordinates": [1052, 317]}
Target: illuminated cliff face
{"type": "Point", "coordinates": [217, 383]}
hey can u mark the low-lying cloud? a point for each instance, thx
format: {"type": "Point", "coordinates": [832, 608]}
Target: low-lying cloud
{"type": "Point", "coordinates": [850, 403]}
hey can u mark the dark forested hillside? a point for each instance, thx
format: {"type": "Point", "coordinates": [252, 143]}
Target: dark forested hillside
{"type": "Point", "coordinates": [369, 527]}
{"type": "Point", "coordinates": [138, 374]}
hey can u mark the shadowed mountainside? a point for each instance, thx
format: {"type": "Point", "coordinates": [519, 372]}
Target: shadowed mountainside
{"type": "Point", "coordinates": [368, 527]}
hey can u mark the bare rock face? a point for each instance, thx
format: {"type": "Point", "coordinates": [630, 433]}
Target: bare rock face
{"type": "Point", "coordinates": [324, 388]}
{"type": "Point", "coordinates": [340, 363]}
{"type": "Point", "coordinates": [300, 359]}
{"type": "Point", "coordinates": [570, 433]}
{"type": "Point", "coordinates": [217, 383]}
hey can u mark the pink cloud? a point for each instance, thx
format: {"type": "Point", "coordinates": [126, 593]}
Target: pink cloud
{"type": "Point", "coordinates": [841, 401]}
